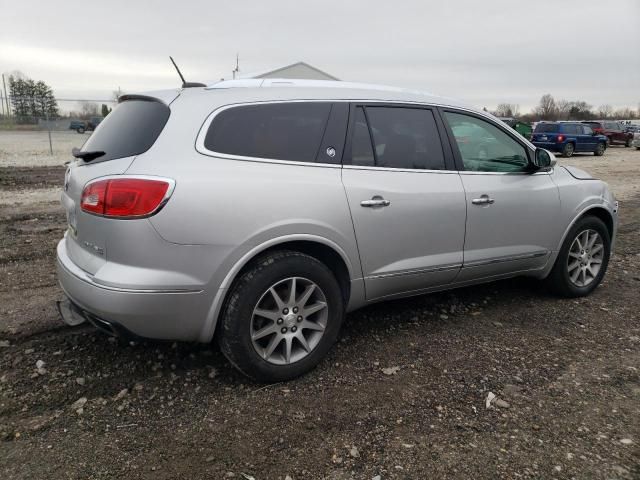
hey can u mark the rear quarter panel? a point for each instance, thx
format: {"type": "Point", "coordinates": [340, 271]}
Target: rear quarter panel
{"type": "Point", "coordinates": [234, 205]}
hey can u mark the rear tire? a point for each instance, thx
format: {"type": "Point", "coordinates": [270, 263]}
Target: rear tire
{"type": "Point", "coordinates": [281, 354]}
{"type": "Point", "coordinates": [575, 258]}
{"type": "Point", "coordinates": [568, 149]}
{"type": "Point", "coordinates": [600, 148]}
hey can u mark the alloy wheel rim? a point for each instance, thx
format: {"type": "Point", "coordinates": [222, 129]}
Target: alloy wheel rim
{"type": "Point", "coordinates": [585, 258]}
{"type": "Point", "coordinates": [289, 320]}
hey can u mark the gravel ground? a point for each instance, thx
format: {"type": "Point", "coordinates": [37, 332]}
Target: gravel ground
{"type": "Point", "coordinates": [31, 148]}
{"type": "Point", "coordinates": [402, 395]}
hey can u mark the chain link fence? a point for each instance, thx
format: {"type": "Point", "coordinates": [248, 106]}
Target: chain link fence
{"type": "Point", "coordinates": [79, 116]}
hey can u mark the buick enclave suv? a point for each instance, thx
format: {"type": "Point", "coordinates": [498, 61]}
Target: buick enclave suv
{"type": "Point", "coordinates": [263, 210]}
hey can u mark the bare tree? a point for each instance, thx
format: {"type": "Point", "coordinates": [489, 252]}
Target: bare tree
{"type": "Point", "coordinates": [547, 109]}
{"type": "Point", "coordinates": [564, 107]}
{"type": "Point", "coordinates": [624, 114]}
{"type": "Point", "coordinates": [89, 109]}
{"type": "Point", "coordinates": [580, 110]}
{"type": "Point", "coordinates": [605, 111]}
{"type": "Point", "coordinates": [507, 110]}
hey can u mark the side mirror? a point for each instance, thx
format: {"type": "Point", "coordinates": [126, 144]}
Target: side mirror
{"type": "Point", "coordinates": [543, 159]}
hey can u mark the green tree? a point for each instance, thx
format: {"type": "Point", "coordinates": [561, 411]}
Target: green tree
{"type": "Point", "coordinates": [31, 99]}
{"type": "Point", "coordinates": [105, 110]}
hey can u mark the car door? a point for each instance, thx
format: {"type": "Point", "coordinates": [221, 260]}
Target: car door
{"type": "Point", "coordinates": [575, 132]}
{"type": "Point", "coordinates": [587, 138]}
{"type": "Point", "coordinates": [406, 199]}
{"type": "Point", "coordinates": [512, 211]}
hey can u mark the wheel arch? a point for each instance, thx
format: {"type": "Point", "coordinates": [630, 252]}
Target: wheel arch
{"type": "Point", "coordinates": [597, 211]}
{"type": "Point", "coordinates": [320, 248]}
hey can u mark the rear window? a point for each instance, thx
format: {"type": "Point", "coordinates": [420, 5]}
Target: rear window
{"type": "Point", "coordinates": [280, 131]}
{"type": "Point", "coordinates": [546, 128]}
{"type": "Point", "coordinates": [130, 129]}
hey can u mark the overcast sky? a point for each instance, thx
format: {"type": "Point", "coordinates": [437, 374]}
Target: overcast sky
{"type": "Point", "coordinates": [482, 51]}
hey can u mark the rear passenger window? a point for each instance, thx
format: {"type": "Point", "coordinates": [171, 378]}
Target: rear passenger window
{"type": "Point", "coordinates": [587, 130]}
{"type": "Point", "coordinates": [571, 129]}
{"type": "Point", "coordinates": [405, 138]}
{"type": "Point", "coordinates": [280, 131]}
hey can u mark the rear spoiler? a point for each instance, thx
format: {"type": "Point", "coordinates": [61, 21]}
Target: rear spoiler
{"type": "Point", "coordinates": [162, 96]}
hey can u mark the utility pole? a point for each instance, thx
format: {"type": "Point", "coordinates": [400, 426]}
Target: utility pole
{"type": "Point", "coordinates": [6, 97]}
{"type": "Point", "coordinates": [237, 69]}
{"type": "Point", "coordinates": [49, 130]}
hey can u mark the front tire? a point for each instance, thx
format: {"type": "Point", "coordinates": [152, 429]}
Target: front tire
{"type": "Point", "coordinates": [582, 260]}
{"type": "Point", "coordinates": [568, 150]}
{"type": "Point", "coordinates": [80, 130]}
{"type": "Point", "coordinates": [600, 148]}
{"type": "Point", "coordinates": [281, 317]}
{"type": "Point", "coordinates": [627, 143]}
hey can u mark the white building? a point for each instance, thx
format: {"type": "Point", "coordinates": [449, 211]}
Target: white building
{"type": "Point", "coordinates": [298, 70]}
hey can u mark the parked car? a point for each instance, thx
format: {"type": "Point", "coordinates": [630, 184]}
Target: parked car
{"type": "Point", "coordinates": [262, 214]}
{"type": "Point", "coordinates": [614, 131]}
{"type": "Point", "coordinates": [78, 125]}
{"type": "Point", "coordinates": [568, 138]}
{"type": "Point", "coordinates": [82, 126]}
{"type": "Point", "coordinates": [93, 122]}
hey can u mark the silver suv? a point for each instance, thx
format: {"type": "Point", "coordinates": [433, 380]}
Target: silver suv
{"type": "Point", "coordinates": [261, 211]}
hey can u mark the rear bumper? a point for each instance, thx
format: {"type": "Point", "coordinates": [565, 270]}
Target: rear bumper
{"type": "Point", "coordinates": [158, 314]}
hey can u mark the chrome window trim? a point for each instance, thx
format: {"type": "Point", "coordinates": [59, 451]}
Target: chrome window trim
{"type": "Point", "coordinates": [528, 174]}
{"type": "Point", "coordinates": [202, 132]}
{"type": "Point", "coordinates": [391, 169]}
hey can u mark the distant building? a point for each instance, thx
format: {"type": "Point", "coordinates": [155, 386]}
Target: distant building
{"type": "Point", "coordinates": [299, 70]}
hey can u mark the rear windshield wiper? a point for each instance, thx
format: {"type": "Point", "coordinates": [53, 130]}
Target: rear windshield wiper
{"type": "Point", "coordinates": [86, 156]}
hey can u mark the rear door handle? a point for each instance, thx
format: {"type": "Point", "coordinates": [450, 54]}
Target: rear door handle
{"type": "Point", "coordinates": [483, 200]}
{"type": "Point", "coordinates": [376, 201]}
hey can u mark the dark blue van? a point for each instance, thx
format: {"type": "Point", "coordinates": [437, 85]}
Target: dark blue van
{"type": "Point", "coordinates": [568, 138]}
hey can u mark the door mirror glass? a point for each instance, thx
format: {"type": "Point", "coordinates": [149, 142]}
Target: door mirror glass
{"type": "Point", "coordinates": [542, 158]}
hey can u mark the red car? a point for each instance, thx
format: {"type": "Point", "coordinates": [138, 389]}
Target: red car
{"type": "Point", "coordinates": [614, 131]}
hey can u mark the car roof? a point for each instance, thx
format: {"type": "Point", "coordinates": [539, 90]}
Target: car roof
{"type": "Point", "coordinates": [247, 90]}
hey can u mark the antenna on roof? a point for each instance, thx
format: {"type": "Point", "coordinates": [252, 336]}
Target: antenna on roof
{"type": "Point", "coordinates": [185, 84]}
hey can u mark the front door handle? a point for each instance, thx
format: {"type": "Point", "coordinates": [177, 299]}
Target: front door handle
{"type": "Point", "coordinates": [376, 201]}
{"type": "Point", "coordinates": [483, 200]}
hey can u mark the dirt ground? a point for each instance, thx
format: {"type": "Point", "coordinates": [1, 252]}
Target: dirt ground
{"type": "Point", "coordinates": [568, 370]}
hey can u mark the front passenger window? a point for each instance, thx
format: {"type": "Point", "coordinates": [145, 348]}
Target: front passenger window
{"type": "Point", "coordinates": [484, 147]}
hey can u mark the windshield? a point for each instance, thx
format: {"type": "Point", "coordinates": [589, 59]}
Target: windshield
{"type": "Point", "coordinates": [130, 129]}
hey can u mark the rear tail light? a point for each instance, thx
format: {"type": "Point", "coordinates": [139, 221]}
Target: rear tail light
{"type": "Point", "coordinates": [560, 138]}
{"type": "Point", "coordinates": [126, 197]}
